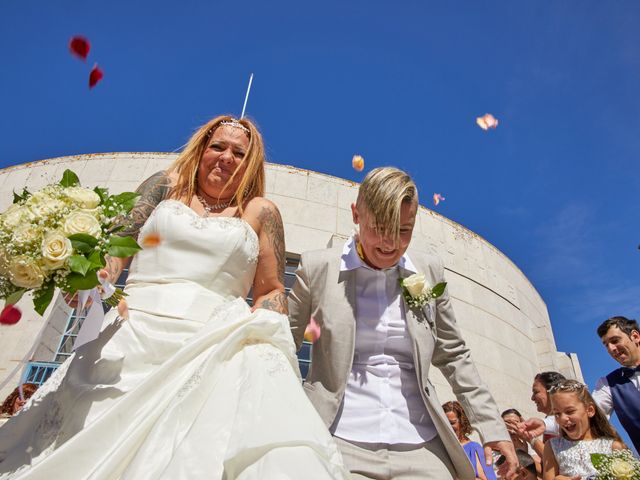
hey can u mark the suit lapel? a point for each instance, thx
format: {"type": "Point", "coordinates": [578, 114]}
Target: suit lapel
{"type": "Point", "coordinates": [344, 308]}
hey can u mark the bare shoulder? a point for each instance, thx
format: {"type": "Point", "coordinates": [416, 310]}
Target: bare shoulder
{"type": "Point", "coordinates": [264, 217]}
{"type": "Point", "coordinates": [256, 205]}
{"type": "Point", "coordinates": [152, 191]}
{"type": "Point", "coordinates": [262, 213]}
{"type": "Point", "coordinates": [618, 445]}
{"type": "Point", "coordinates": [161, 178]}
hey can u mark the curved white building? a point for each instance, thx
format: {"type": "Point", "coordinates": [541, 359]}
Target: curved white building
{"type": "Point", "coordinates": [503, 318]}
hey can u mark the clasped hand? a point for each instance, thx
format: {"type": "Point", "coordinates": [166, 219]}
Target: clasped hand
{"type": "Point", "coordinates": [72, 299]}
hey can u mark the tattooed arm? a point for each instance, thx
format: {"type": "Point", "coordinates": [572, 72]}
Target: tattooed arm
{"type": "Point", "coordinates": [152, 191]}
{"type": "Point", "coordinates": [268, 284]}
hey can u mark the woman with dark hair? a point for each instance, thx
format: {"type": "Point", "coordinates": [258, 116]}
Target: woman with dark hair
{"type": "Point", "coordinates": [542, 382]}
{"type": "Point", "coordinates": [514, 420]}
{"type": "Point", "coordinates": [528, 430]}
{"type": "Point", "coordinates": [195, 383]}
{"type": "Point", "coordinates": [15, 401]}
{"type": "Point", "coordinates": [462, 428]}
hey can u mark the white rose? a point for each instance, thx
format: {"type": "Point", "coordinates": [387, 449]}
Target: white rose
{"type": "Point", "coordinates": [17, 214]}
{"type": "Point", "coordinates": [84, 197]}
{"type": "Point", "coordinates": [81, 222]}
{"type": "Point", "coordinates": [46, 206]}
{"type": "Point", "coordinates": [38, 197]}
{"type": "Point", "coordinates": [25, 273]}
{"type": "Point", "coordinates": [414, 284]}
{"type": "Point", "coordinates": [56, 248]}
{"type": "Point", "coordinates": [96, 212]}
{"type": "Point", "coordinates": [621, 469]}
{"type": "Point", "coordinates": [26, 233]}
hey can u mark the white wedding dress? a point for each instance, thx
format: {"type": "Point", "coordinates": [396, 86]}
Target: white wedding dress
{"type": "Point", "coordinates": [193, 386]}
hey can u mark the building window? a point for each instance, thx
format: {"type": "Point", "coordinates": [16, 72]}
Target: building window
{"type": "Point", "coordinates": [38, 372]}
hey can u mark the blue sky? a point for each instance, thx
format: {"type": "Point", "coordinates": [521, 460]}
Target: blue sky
{"type": "Point", "coordinates": [555, 186]}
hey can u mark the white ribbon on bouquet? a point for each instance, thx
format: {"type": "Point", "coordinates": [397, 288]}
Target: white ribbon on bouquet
{"type": "Point", "coordinates": [95, 315]}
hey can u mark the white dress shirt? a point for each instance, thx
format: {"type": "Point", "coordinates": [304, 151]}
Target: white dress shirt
{"type": "Point", "coordinates": [602, 393]}
{"type": "Point", "coordinates": [382, 401]}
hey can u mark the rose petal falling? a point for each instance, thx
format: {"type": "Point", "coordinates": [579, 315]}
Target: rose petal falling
{"type": "Point", "coordinates": [312, 332]}
{"type": "Point", "coordinates": [151, 240]}
{"type": "Point", "coordinates": [10, 315]}
{"type": "Point", "coordinates": [95, 76]}
{"type": "Point", "coordinates": [487, 121]}
{"type": "Point", "coordinates": [437, 198]}
{"type": "Point", "coordinates": [79, 46]}
{"type": "Point", "coordinates": [357, 163]}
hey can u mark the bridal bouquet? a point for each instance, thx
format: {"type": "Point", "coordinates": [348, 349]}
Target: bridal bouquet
{"type": "Point", "coordinates": [618, 465]}
{"type": "Point", "coordinates": [58, 237]}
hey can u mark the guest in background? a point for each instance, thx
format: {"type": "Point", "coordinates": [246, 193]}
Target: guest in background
{"type": "Point", "coordinates": [620, 390]}
{"type": "Point", "coordinates": [461, 425]}
{"type": "Point", "coordinates": [584, 430]}
{"type": "Point", "coordinates": [14, 402]}
{"type": "Point", "coordinates": [514, 420]}
{"type": "Point", "coordinates": [534, 427]}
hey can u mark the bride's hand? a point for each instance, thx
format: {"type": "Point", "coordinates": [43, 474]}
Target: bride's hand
{"type": "Point", "coordinates": [123, 309]}
{"type": "Point", "coordinates": [72, 300]}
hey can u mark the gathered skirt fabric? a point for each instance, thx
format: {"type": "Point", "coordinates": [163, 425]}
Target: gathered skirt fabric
{"type": "Point", "coordinates": [208, 390]}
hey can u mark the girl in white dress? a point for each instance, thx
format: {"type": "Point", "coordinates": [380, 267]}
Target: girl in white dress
{"type": "Point", "coordinates": [193, 384]}
{"type": "Point", "coordinates": [584, 430]}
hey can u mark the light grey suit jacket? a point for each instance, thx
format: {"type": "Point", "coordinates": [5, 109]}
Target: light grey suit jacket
{"type": "Point", "coordinates": [324, 292]}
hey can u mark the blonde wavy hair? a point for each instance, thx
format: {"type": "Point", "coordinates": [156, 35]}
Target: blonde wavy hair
{"type": "Point", "coordinates": [186, 165]}
{"type": "Point", "coordinates": [382, 193]}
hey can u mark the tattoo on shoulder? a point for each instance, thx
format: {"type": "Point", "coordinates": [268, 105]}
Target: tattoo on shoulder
{"type": "Point", "coordinates": [272, 224]}
{"type": "Point", "coordinates": [277, 303]}
{"type": "Point", "coordinates": [152, 191]}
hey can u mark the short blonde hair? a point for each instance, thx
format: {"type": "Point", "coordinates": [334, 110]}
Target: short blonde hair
{"type": "Point", "coordinates": [382, 193]}
{"type": "Point", "coordinates": [186, 165]}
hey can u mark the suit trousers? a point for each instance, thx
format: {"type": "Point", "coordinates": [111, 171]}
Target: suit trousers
{"type": "Point", "coordinates": [427, 461]}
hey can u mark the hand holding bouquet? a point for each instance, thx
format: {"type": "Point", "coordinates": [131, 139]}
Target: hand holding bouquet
{"type": "Point", "coordinates": [58, 237]}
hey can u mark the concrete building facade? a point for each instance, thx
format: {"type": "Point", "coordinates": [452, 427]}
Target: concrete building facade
{"type": "Point", "coordinates": [503, 318]}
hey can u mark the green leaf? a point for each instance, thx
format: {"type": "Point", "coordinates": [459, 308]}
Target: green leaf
{"type": "Point", "coordinates": [79, 264]}
{"type": "Point", "coordinates": [438, 289]}
{"type": "Point", "coordinates": [20, 197]}
{"type": "Point", "coordinates": [596, 459]}
{"type": "Point", "coordinates": [76, 282]}
{"type": "Point", "coordinates": [117, 229]}
{"type": "Point", "coordinates": [103, 193]}
{"type": "Point", "coordinates": [125, 200]}
{"type": "Point", "coordinates": [97, 259]}
{"type": "Point", "coordinates": [69, 179]}
{"type": "Point", "coordinates": [122, 246]}
{"type": "Point", "coordinates": [15, 296]}
{"type": "Point", "coordinates": [42, 300]}
{"type": "Point", "coordinates": [83, 243]}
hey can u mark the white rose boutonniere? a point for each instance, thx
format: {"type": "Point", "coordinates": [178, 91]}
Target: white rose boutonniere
{"type": "Point", "coordinates": [417, 293]}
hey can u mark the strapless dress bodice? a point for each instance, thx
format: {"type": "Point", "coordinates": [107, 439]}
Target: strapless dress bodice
{"type": "Point", "coordinates": [217, 253]}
